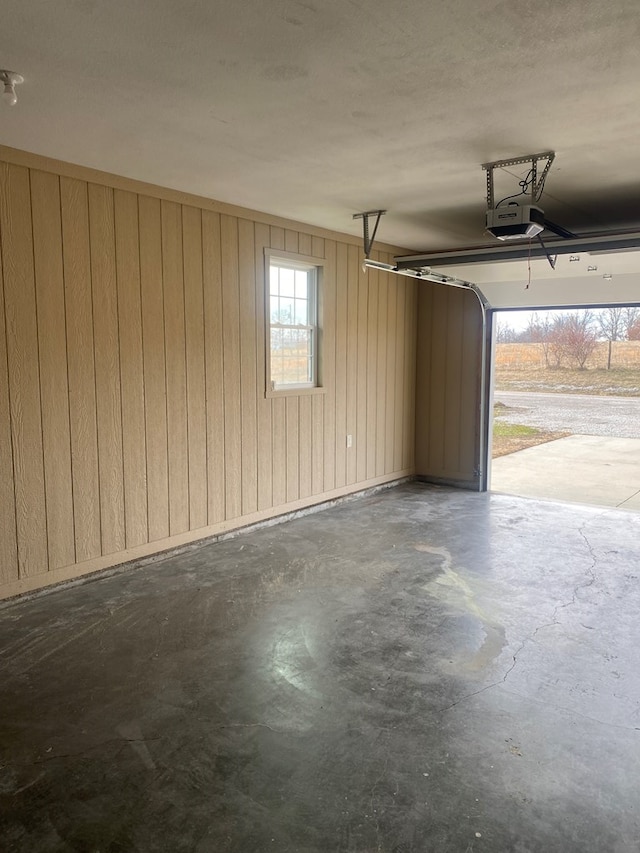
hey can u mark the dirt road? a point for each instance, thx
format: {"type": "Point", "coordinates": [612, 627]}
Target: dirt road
{"type": "Point", "coordinates": [575, 413]}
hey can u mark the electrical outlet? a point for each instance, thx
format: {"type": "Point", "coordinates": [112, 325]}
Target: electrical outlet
{"type": "Point", "coordinates": [349, 440]}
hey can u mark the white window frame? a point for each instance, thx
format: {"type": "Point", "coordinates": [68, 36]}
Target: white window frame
{"type": "Point", "coordinates": [289, 260]}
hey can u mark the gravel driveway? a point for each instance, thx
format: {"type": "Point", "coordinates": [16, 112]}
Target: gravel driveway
{"type": "Point", "coordinates": [576, 413]}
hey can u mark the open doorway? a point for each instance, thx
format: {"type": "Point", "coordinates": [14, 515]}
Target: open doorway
{"type": "Point", "coordinates": [566, 405]}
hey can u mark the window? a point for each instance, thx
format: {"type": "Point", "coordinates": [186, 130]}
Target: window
{"type": "Point", "coordinates": [293, 324]}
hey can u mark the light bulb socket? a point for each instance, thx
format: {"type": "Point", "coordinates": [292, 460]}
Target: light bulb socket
{"type": "Point", "coordinates": [10, 80]}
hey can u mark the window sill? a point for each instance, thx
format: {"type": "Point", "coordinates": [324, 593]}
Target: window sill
{"type": "Point", "coordinates": [294, 392]}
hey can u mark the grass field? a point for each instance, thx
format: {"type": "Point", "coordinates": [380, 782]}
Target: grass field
{"type": "Point", "coordinates": [618, 382]}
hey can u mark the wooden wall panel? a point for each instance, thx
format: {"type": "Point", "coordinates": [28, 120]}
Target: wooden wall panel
{"type": "Point", "coordinates": [447, 405]}
{"type": "Point", "coordinates": [23, 369]}
{"type": "Point", "coordinates": [328, 365]}
{"type": "Point", "coordinates": [82, 381]}
{"type": "Point", "coordinates": [8, 541]}
{"type": "Point", "coordinates": [134, 452]}
{"type": "Point", "coordinates": [341, 363]}
{"type": "Point", "coordinates": [353, 265]}
{"type": "Point", "coordinates": [107, 364]}
{"type": "Point", "coordinates": [391, 390]}
{"type": "Point", "coordinates": [305, 438]}
{"type": "Point", "coordinates": [401, 403]}
{"type": "Point", "coordinates": [232, 390]}
{"type": "Point", "coordinates": [154, 367]}
{"type": "Point", "coordinates": [362, 432]}
{"type": "Point", "coordinates": [52, 350]}
{"type": "Point", "coordinates": [134, 412]}
{"type": "Point", "coordinates": [195, 366]}
{"type": "Point", "coordinates": [175, 348]}
{"type": "Point", "coordinates": [248, 373]}
{"type": "Point", "coordinates": [293, 448]}
{"type": "Point", "coordinates": [263, 403]}
{"type": "Point", "coordinates": [214, 365]}
{"type": "Point", "coordinates": [381, 372]}
{"type": "Point", "coordinates": [372, 366]}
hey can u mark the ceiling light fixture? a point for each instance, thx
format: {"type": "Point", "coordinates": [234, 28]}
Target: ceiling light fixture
{"type": "Point", "coordinates": [10, 80]}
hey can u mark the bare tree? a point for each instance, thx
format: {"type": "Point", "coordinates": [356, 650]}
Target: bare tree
{"type": "Point", "coordinates": [573, 337]}
{"type": "Point", "coordinates": [504, 333]}
{"type": "Point", "coordinates": [611, 323]}
{"type": "Point", "coordinates": [631, 320]}
{"type": "Point", "coordinates": [633, 331]}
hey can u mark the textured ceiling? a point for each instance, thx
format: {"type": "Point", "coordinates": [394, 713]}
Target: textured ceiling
{"type": "Point", "coordinates": [317, 109]}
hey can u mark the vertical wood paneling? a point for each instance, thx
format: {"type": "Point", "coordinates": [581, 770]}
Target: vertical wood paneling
{"type": "Point", "coordinates": [401, 403]}
{"type": "Point", "coordinates": [82, 381]}
{"type": "Point", "coordinates": [196, 402]}
{"type": "Point", "coordinates": [231, 339]}
{"type": "Point", "coordinates": [449, 355]}
{"type": "Point", "coordinates": [437, 390]}
{"type": "Point", "coordinates": [154, 361]}
{"type": "Point", "coordinates": [363, 369]}
{"type": "Point", "coordinates": [279, 450]}
{"type": "Point", "coordinates": [423, 378]}
{"type": "Point", "coordinates": [371, 374]}
{"type": "Point", "coordinates": [471, 366]}
{"type": "Point", "coordinates": [23, 370]}
{"type": "Point", "coordinates": [305, 438]}
{"type": "Point", "coordinates": [107, 362]}
{"type": "Point", "coordinates": [381, 373]}
{"type": "Point", "coordinates": [341, 362]}
{"type": "Point", "coordinates": [317, 443]}
{"type": "Point", "coordinates": [352, 361]}
{"type": "Point", "coordinates": [328, 364]}
{"type": "Point", "coordinates": [248, 377]}
{"type": "Point", "coordinates": [52, 348]}
{"type": "Point", "coordinates": [175, 348]}
{"type": "Point", "coordinates": [277, 237]}
{"type": "Point", "coordinates": [390, 395]}
{"type": "Point", "coordinates": [132, 373]}
{"type": "Point", "coordinates": [291, 241]}
{"type": "Point", "coordinates": [214, 363]}
{"type": "Point", "coordinates": [293, 448]}
{"type": "Point", "coordinates": [318, 247]}
{"type": "Point", "coordinates": [304, 244]}
{"type": "Point", "coordinates": [263, 404]}
{"type": "Point", "coordinates": [134, 452]}
{"type": "Point", "coordinates": [411, 313]}
{"type": "Point", "coordinates": [452, 379]}
{"type": "Point", "coordinates": [8, 541]}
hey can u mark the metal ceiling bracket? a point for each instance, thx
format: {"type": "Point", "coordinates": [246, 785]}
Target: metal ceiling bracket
{"type": "Point", "coordinates": [551, 258]}
{"type": "Point", "coordinates": [368, 240]}
{"type": "Point", "coordinates": [537, 183]}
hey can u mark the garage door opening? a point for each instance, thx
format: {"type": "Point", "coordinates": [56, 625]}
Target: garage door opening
{"type": "Point", "coordinates": [566, 405]}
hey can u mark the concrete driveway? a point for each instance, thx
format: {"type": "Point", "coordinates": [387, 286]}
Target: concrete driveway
{"type": "Point", "coordinates": [595, 466]}
{"type": "Point", "coordinates": [585, 469]}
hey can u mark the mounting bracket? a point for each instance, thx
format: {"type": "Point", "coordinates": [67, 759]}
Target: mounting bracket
{"type": "Point", "coordinates": [551, 258]}
{"type": "Point", "coordinates": [368, 240]}
{"type": "Point", "coordinates": [537, 183]}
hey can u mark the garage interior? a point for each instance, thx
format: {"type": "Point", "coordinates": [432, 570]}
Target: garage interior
{"type": "Point", "coordinates": [244, 618]}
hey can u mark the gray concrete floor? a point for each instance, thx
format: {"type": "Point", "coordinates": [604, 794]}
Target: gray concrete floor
{"type": "Point", "coordinates": [419, 671]}
{"type": "Point", "coordinates": [587, 469]}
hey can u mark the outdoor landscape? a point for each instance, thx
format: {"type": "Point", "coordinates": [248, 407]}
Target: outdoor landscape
{"type": "Point", "coordinates": [584, 352]}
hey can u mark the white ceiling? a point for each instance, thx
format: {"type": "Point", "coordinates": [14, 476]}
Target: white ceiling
{"type": "Point", "coordinates": [317, 109]}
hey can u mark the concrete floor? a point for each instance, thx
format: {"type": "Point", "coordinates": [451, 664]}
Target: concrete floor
{"type": "Point", "coordinates": [588, 469]}
{"type": "Point", "coordinates": [419, 671]}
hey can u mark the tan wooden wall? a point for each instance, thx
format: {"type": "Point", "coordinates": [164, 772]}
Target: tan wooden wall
{"type": "Point", "coordinates": [132, 345]}
{"type": "Point", "coordinates": [449, 364]}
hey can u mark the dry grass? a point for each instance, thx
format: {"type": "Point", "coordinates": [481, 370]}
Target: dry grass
{"type": "Point", "coordinates": [509, 438]}
{"type": "Point", "coordinates": [618, 382]}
